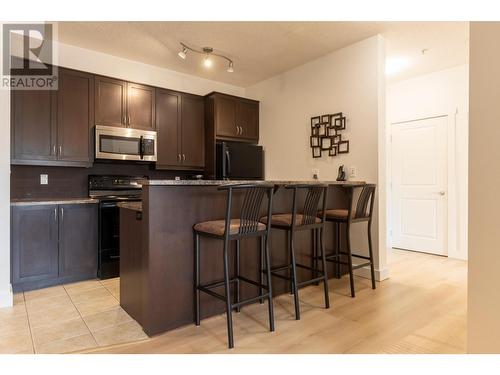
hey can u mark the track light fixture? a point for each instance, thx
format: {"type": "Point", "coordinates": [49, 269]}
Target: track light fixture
{"type": "Point", "coordinates": [208, 52]}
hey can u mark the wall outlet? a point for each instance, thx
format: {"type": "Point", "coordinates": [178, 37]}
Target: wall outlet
{"type": "Point", "coordinates": [44, 179]}
{"type": "Point", "coordinates": [315, 174]}
{"type": "Point", "coordinates": [352, 172]}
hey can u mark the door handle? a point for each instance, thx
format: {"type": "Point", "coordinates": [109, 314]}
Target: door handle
{"type": "Point", "coordinates": [237, 129]}
{"type": "Point", "coordinates": [241, 130]}
{"type": "Point", "coordinates": [60, 150]}
{"type": "Point", "coordinates": [183, 157]}
{"type": "Point", "coordinates": [55, 214]}
{"type": "Point", "coordinates": [442, 192]}
{"type": "Point", "coordinates": [62, 213]}
{"type": "Point", "coordinates": [54, 150]}
{"type": "Point", "coordinates": [179, 157]}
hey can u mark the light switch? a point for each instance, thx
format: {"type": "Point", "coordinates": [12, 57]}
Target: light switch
{"type": "Point", "coordinates": [315, 174]}
{"type": "Point", "coordinates": [44, 179]}
{"type": "Point", "coordinates": [352, 172]}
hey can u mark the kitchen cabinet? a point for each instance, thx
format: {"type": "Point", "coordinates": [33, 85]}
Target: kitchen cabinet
{"type": "Point", "coordinates": [77, 240]}
{"type": "Point", "coordinates": [124, 104]}
{"type": "Point", "coordinates": [54, 127]}
{"type": "Point", "coordinates": [52, 244]}
{"type": "Point", "coordinates": [235, 118]}
{"type": "Point", "coordinates": [75, 113]}
{"type": "Point", "coordinates": [180, 127]}
{"type": "Point", "coordinates": [34, 243]}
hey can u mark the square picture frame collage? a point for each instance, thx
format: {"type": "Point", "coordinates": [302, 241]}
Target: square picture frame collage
{"type": "Point", "coordinates": [326, 137]}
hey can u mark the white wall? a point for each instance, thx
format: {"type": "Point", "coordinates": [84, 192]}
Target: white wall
{"type": "Point", "coordinates": [98, 63]}
{"type": "Point", "coordinates": [5, 289]}
{"type": "Point", "coordinates": [349, 80]}
{"type": "Point", "coordinates": [440, 93]}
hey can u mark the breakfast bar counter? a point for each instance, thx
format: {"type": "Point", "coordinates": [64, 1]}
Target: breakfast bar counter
{"type": "Point", "coordinates": [156, 247]}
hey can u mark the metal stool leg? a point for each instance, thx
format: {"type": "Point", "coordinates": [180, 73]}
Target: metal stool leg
{"type": "Point", "coordinates": [372, 267]}
{"type": "Point", "coordinates": [291, 288]}
{"type": "Point", "coordinates": [315, 255]}
{"type": "Point", "coordinates": [197, 278]}
{"type": "Point", "coordinates": [261, 271]}
{"type": "Point", "coordinates": [325, 272]}
{"type": "Point", "coordinates": [349, 259]}
{"type": "Point", "coordinates": [337, 252]}
{"type": "Point", "coordinates": [294, 277]}
{"type": "Point", "coordinates": [228, 296]}
{"type": "Point", "coordinates": [237, 268]}
{"type": "Point", "coordinates": [270, 291]}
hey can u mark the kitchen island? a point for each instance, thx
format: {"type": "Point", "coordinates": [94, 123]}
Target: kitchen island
{"type": "Point", "coordinates": [156, 247]}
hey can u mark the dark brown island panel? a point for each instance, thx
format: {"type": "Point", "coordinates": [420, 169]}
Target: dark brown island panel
{"type": "Point", "coordinates": [156, 269]}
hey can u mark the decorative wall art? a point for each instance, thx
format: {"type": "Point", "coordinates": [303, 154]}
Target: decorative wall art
{"type": "Point", "coordinates": [325, 135]}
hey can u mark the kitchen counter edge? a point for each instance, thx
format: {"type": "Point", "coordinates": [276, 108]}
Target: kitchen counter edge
{"type": "Point", "coordinates": [232, 182]}
{"type": "Point", "coordinates": [31, 202]}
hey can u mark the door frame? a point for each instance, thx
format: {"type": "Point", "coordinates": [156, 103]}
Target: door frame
{"type": "Point", "coordinates": [451, 183]}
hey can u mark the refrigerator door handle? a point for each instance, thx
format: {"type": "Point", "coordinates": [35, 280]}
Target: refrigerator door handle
{"type": "Point", "coordinates": [227, 171]}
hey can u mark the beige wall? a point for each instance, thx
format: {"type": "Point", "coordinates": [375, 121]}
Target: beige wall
{"type": "Point", "coordinates": [350, 80]}
{"type": "Point", "coordinates": [484, 181]}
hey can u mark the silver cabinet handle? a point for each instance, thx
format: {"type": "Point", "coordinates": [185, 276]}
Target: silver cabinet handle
{"type": "Point", "coordinates": [179, 157]}
{"type": "Point", "coordinates": [55, 213]}
{"type": "Point", "coordinates": [54, 150]}
{"type": "Point", "coordinates": [124, 120]}
{"type": "Point", "coordinates": [62, 213]}
{"type": "Point", "coordinates": [241, 130]}
{"type": "Point", "coordinates": [183, 157]}
{"type": "Point", "coordinates": [128, 121]}
{"type": "Point", "coordinates": [60, 150]}
{"type": "Point", "coordinates": [237, 129]}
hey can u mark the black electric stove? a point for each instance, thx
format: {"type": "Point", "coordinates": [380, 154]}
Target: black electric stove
{"type": "Point", "coordinates": [110, 190]}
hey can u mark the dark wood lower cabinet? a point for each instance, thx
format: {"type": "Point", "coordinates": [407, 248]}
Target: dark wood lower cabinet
{"type": "Point", "coordinates": [34, 243]}
{"type": "Point", "coordinates": [78, 240]}
{"type": "Point", "coordinates": [52, 244]}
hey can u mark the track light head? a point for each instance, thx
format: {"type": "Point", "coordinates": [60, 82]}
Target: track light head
{"type": "Point", "coordinates": [182, 54]}
{"type": "Point", "coordinates": [230, 67]}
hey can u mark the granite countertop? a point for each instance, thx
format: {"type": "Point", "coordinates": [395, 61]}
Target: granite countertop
{"type": "Point", "coordinates": [134, 206]}
{"type": "Point", "coordinates": [231, 182]}
{"type": "Point", "coordinates": [40, 201]}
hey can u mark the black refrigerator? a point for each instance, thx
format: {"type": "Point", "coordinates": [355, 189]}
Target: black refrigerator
{"type": "Point", "coordinates": [239, 161]}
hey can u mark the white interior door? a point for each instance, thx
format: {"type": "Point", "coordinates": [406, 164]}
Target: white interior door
{"type": "Point", "coordinates": [419, 185]}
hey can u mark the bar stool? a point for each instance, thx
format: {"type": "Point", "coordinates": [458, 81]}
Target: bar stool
{"type": "Point", "coordinates": [362, 213]}
{"type": "Point", "coordinates": [293, 222]}
{"type": "Point", "coordinates": [246, 226]}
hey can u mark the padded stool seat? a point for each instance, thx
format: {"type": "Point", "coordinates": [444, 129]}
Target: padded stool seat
{"type": "Point", "coordinates": [217, 227]}
{"type": "Point", "coordinates": [286, 219]}
{"type": "Point", "coordinates": [339, 214]}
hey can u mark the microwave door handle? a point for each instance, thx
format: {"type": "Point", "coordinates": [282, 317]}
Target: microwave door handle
{"type": "Point", "coordinates": [227, 172]}
{"type": "Point", "coordinates": [141, 147]}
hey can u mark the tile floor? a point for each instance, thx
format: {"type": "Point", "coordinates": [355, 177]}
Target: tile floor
{"type": "Point", "coordinates": [67, 318]}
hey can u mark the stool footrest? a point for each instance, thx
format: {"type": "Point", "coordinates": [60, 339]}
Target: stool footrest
{"type": "Point", "coordinates": [355, 267]}
{"type": "Point", "coordinates": [250, 300]}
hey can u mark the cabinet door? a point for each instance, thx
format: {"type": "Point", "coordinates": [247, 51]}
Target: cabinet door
{"type": "Point", "coordinates": [110, 102]}
{"type": "Point", "coordinates": [247, 118]}
{"type": "Point", "coordinates": [192, 128]}
{"type": "Point", "coordinates": [225, 116]}
{"type": "Point", "coordinates": [33, 125]}
{"type": "Point", "coordinates": [168, 110]}
{"type": "Point", "coordinates": [141, 107]}
{"type": "Point", "coordinates": [75, 103]}
{"type": "Point", "coordinates": [34, 243]}
{"type": "Point", "coordinates": [78, 240]}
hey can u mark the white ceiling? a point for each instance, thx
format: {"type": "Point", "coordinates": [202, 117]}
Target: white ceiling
{"type": "Point", "coordinates": [263, 49]}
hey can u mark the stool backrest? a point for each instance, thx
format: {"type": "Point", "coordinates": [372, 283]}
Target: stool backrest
{"type": "Point", "coordinates": [312, 203]}
{"type": "Point", "coordinates": [250, 210]}
{"type": "Point", "coordinates": [361, 206]}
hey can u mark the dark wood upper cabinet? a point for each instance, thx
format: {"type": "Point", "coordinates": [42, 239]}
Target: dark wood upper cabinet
{"type": "Point", "coordinates": [180, 127]}
{"type": "Point", "coordinates": [225, 116]}
{"type": "Point", "coordinates": [34, 243]}
{"type": "Point", "coordinates": [75, 116]}
{"type": "Point", "coordinates": [124, 104]}
{"type": "Point", "coordinates": [141, 107]}
{"type": "Point", "coordinates": [234, 118]}
{"type": "Point", "coordinates": [110, 102]}
{"type": "Point", "coordinates": [193, 131]}
{"type": "Point", "coordinates": [33, 125]}
{"type": "Point", "coordinates": [168, 118]}
{"type": "Point", "coordinates": [78, 240]}
{"type": "Point", "coordinates": [247, 118]}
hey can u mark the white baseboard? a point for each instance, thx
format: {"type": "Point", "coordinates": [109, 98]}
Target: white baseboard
{"type": "Point", "coordinates": [380, 275]}
{"type": "Point", "coordinates": [6, 297]}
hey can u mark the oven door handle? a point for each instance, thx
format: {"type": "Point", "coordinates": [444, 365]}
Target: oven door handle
{"type": "Point", "coordinates": [108, 204]}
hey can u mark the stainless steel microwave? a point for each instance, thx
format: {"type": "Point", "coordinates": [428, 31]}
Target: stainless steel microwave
{"type": "Point", "coordinates": [124, 143]}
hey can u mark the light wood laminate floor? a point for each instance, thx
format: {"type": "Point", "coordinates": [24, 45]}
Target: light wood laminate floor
{"type": "Point", "coordinates": [420, 309]}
